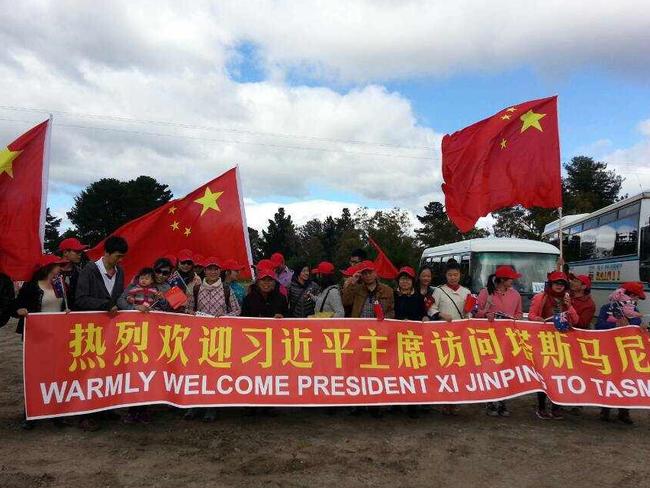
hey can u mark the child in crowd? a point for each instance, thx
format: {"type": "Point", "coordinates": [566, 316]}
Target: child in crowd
{"type": "Point", "coordinates": [144, 293]}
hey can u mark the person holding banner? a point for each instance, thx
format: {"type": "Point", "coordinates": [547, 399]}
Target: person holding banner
{"type": "Point", "coordinates": [40, 294]}
{"type": "Point", "coordinates": [621, 311]}
{"type": "Point", "coordinates": [184, 277]}
{"type": "Point", "coordinates": [409, 305]}
{"type": "Point", "coordinates": [449, 298]}
{"type": "Point", "coordinates": [263, 298]}
{"type": "Point", "coordinates": [581, 300]}
{"type": "Point", "coordinates": [212, 296]}
{"type": "Point", "coordinates": [302, 292]}
{"type": "Point", "coordinates": [101, 283]}
{"type": "Point", "coordinates": [230, 269]}
{"type": "Point", "coordinates": [499, 300]}
{"type": "Point", "coordinates": [425, 278]}
{"type": "Point", "coordinates": [366, 296]}
{"type": "Point", "coordinates": [554, 300]}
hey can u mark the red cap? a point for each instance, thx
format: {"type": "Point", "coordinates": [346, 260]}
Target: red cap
{"type": "Point", "coordinates": [324, 267]}
{"type": "Point", "coordinates": [211, 261]}
{"type": "Point", "coordinates": [185, 255]}
{"type": "Point", "coordinates": [584, 279]}
{"type": "Point", "coordinates": [557, 276]}
{"type": "Point", "coordinates": [47, 259]}
{"type": "Point", "coordinates": [350, 270]}
{"type": "Point", "coordinates": [265, 272]}
{"type": "Point", "coordinates": [199, 260]}
{"type": "Point", "coordinates": [366, 265]}
{"type": "Point", "coordinates": [407, 270]}
{"type": "Point", "coordinates": [635, 287]}
{"type": "Point", "coordinates": [507, 272]}
{"type": "Point", "coordinates": [72, 244]}
{"type": "Point", "coordinates": [277, 259]}
{"type": "Point", "coordinates": [231, 265]}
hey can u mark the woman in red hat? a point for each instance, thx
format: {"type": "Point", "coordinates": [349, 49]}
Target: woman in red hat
{"type": "Point", "coordinates": [302, 292]}
{"type": "Point", "coordinates": [229, 274]}
{"type": "Point", "coordinates": [40, 294]}
{"type": "Point", "coordinates": [409, 304]}
{"type": "Point", "coordinates": [501, 301]}
{"type": "Point", "coordinates": [553, 300]}
{"type": "Point", "coordinates": [328, 302]}
{"type": "Point", "coordinates": [581, 300]}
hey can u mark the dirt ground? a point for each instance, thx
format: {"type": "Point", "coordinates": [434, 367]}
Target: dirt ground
{"type": "Point", "coordinates": [310, 448]}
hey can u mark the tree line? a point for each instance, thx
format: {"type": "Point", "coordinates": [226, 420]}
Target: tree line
{"type": "Point", "coordinates": [103, 206]}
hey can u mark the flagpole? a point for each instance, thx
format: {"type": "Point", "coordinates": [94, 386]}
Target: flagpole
{"type": "Point", "coordinates": [44, 181]}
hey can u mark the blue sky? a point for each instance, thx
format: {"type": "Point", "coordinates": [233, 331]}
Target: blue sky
{"type": "Point", "coordinates": [323, 105]}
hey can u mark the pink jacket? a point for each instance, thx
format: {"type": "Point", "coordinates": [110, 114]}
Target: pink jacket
{"type": "Point", "coordinates": [541, 302]}
{"type": "Point", "coordinates": [508, 303]}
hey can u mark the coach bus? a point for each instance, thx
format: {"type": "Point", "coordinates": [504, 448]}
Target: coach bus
{"type": "Point", "coordinates": [610, 245]}
{"type": "Point", "coordinates": [479, 258]}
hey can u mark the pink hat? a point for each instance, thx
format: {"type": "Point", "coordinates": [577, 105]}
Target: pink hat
{"type": "Point", "coordinates": [507, 272]}
{"type": "Point", "coordinates": [47, 259]}
{"type": "Point", "coordinates": [231, 265]}
{"type": "Point", "coordinates": [366, 266]}
{"type": "Point", "coordinates": [211, 261]}
{"type": "Point", "coordinates": [407, 270]}
{"type": "Point", "coordinates": [199, 260]}
{"type": "Point", "coordinates": [185, 255]}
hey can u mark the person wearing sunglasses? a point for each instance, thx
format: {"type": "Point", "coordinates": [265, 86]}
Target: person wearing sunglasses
{"type": "Point", "coordinates": [162, 271]}
{"type": "Point", "coordinates": [184, 277]}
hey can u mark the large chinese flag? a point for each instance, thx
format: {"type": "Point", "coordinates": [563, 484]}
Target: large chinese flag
{"type": "Point", "coordinates": [23, 193]}
{"type": "Point", "coordinates": [383, 266]}
{"type": "Point", "coordinates": [209, 221]}
{"type": "Point", "coordinates": [510, 158]}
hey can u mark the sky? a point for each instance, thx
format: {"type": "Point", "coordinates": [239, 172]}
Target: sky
{"type": "Point", "coordinates": [322, 104]}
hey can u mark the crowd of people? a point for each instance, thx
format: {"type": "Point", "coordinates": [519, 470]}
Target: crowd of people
{"type": "Point", "coordinates": [212, 288]}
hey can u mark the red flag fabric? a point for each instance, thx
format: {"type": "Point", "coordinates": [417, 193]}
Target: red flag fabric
{"type": "Point", "coordinates": [384, 267]}
{"type": "Point", "coordinates": [209, 221]}
{"type": "Point", "coordinates": [175, 297]}
{"type": "Point", "coordinates": [510, 158]}
{"type": "Point", "coordinates": [23, 193]}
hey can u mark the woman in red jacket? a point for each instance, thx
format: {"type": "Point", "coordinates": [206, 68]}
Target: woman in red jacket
{"type": "Point", "coordinates": [553, 300]}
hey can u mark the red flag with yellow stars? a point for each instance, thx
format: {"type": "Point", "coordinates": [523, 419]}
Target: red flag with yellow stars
{"type": "Point", "coordinates": [511, 158]}
{"type": "Point", "coordinates": [209, 221]}
{"type": "Point", "coordinates": [23, 193]}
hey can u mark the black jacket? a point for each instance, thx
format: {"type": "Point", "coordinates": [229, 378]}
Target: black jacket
{"type": "Point", "coordinates": [30, 296]}
{"type": "Point", "coordinates": [255, 305]}
{"type": "Point", "coordinates": [91, 293]}
{"type": "Point", "coordinates": [6, 298]}
{"type": "Point", "coordinates": [409, 307]}
{"type": "Point", "coordinates": [71, 279]}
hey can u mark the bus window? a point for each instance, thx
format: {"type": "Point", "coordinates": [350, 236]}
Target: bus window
{"type": "Point", "coordinates": [588, 244]}
{"type": "Point", "coordinates": [466, 279]}
{"type": "Point", "coordinates": [605, 238]}
{"type": "Point", "coordinates": [626, 234]}
{"type": "Point", "coordinates": [631, 210]}
{"type": "Point", "coordinates": [644, 254]}
{"type": "Point", "coordinates": [572, 248]}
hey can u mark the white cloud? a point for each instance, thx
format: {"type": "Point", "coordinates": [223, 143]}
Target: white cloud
{"type": "Point", "coordinates": [633, 162]}
{"type": "Point", "coordinates": [369, 40]}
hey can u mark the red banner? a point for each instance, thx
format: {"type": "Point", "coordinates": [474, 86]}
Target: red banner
{"type": "Point", "coordinates": [84, 362]}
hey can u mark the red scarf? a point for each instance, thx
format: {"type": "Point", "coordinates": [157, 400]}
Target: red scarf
{"type": "Point", "coordinates": [453, 287]}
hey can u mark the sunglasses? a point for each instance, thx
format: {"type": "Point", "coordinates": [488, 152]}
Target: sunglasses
{"type": "Point", "coordinates": [163, 272]}
{"type": "Point", "coordinates": [187, 263]}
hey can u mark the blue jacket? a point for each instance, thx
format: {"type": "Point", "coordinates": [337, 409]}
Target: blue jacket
{"type": "Point", "coordinates": [603, 324]}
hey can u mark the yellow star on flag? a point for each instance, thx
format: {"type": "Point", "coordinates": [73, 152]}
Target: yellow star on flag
{"type": "Point", "coordinates": [511, 109]}
{"type": "Point", "coordinates": [7, 157]}
{"type": "Point", "coordinates": [188, 231]}
{"type": "Point", "coordinates": [174, 226]}
{"type": "Point", "coordinates": [503, 143]}
{"type": "Point", "coordinates": [209, 200]}
{"type": "Point", "coordinates": [172, 210]}
{"type": "Point", "coordinates": [505, 117]}
{"type": "Point", "coordinates": [531, 119]}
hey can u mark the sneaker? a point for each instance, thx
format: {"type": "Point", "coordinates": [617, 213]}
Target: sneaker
{"type": "Point", "coordinates": [89, 424]}
{"type": "Point", "coordinates": [191, 414]}
{"type": "Point", "coordinates": [625, 419]}
{"type": "Point", "coordinates": [491, 410]}
{"type": "Point", "coordinates": [130, 418]}
{"type": "Point", "coordinates": [503, 411]}
{"type": "Point", "coordinates": [543, 414]}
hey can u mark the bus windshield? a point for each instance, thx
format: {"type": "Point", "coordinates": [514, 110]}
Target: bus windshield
{"type": "Point", "coordinates": [532, 266]}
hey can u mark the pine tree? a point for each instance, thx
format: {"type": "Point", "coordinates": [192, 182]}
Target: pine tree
{"type": "Point", "coordinates": [280, 236]}
{"type": "Point", "coordinates": [52, 236]}
{"type": "Point", "coordinates": [437, 229]}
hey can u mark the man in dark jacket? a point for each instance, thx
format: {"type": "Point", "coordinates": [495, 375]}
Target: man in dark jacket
{"type": "Point", "coordinates": [7, 295]}
{"type": "Point", "coordinates": [101, 283]}
{"type": "Point", "coordinates": [72, 250]}
{"type": "Point", "coordinates": [264, 299]}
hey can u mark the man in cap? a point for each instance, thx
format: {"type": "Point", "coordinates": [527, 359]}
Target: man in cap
{"type": "Point", "coordinates": [184, 277]}
{"type": "Point", "coordinates": [72, 251]}
{"type": "Point", "coordinates": [363, 289]}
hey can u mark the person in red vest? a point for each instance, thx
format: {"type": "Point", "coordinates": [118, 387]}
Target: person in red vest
{"type": "Point", "coordinates": [580, 286]}
{"type": "Point", "coordinates": [553, 300]}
